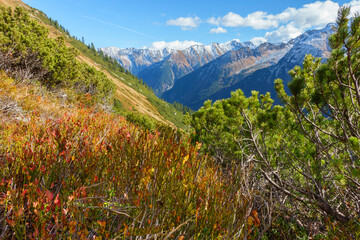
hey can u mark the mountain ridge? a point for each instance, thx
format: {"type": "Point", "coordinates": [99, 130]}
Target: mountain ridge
{"type": "Point", "coordinates": [161, 68]}
{"type": "Point", "coordinates": [192, 92]}
{"type": "Point", "coordinates": [136, 59]}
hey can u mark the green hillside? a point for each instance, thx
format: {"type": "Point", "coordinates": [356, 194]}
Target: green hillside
{"type": "Point", "coordinates": [135, 97]}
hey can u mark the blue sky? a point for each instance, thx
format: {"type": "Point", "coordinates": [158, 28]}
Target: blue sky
{"type": "Point", "coordinates": [178, 24]}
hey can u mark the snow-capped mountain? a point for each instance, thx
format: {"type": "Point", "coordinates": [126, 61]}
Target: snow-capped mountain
{"type": "Point", "coordinates": [160, 68]}
{"type": "Point", "coordinates": [135, 60]}
{"type": "Point", "coordinates": [201, 72]}
{"type": "Point", "coordinates": [248, 69]}
{"type": "Point", "coordinates": [220, 73]}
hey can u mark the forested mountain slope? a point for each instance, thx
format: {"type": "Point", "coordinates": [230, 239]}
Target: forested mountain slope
{"type": "Point", "coordinates": [132, 94]}
{"type": "Point", "coordinates": [248, 69]}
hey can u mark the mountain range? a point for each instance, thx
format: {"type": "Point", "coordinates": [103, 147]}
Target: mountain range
{"type": "Point", "coordinates": [202, 72]}
{"type": "Point", "coordinates": [161, 68]}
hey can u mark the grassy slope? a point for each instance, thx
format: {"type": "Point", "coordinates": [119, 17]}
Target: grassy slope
{"type": "Point", "coordinates": [133, 95]}
{"type": "Point", "coordinates": [74, 173]}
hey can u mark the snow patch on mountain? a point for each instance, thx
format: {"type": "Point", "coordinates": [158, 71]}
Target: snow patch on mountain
{"type": "Point", "coordinates": [136, 60]}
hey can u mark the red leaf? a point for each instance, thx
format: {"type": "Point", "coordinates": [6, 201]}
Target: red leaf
{"type": "Point", "coordinates": [49, 195]}
{"type": "Point", "coordinates": [10, 222]}
{"type": "Point", "coordinates": [57, 201]}
{"type": "Point", "coordinates": [24, 192]}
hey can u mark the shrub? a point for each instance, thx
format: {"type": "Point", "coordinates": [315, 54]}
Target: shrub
{"type": "Point", "coordinates": [28, 53]}
{"type": "Point", "coordinates": [88, 173]}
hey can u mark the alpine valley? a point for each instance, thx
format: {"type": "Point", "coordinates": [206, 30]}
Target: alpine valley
{"type": "Point", "coordinates": [200, 72]}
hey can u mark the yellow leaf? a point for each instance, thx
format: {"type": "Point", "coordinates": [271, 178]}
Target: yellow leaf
{"type": "Point", "coordinates": [185, 159]}
{"type": "Point", "coordinates": [256, 219]}
{"type": "Point", "coordinates": [101, 223]}
{"type": "Point", "coordinates": [250, 220]}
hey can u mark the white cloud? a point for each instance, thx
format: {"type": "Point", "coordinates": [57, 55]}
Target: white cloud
{"type": "Point", "coordinates": [261, 20]}
{"type": "Point", "coordinates": [296, 21]}
{"type": "Point", "coordinates": [186, 23]}
{"type": "Point", "coordinates": [178, 45]}
{"type": "Point", "coordinates": [258, 40]}
{"type": "Point", "coordinates": [355, 6]}
{"type": "Point", "coordinates": [287, 24]}
{"type": "Point", "coordinates": [283, 33]}
{"type": "Point", "coordinates": [213, 21]}
{"type": "Point", "coordinates": [229, 20]}
{"type": "Point", "coordinates": [257, 20]}
{"type": "Point", "coordinates": [281, 27]}
{"type": "Point", "coordinates": [218, 30]}
{"type": "Point", "coordinates": [312, 15]}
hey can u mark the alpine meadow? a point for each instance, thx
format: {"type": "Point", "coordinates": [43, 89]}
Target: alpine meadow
{"type": "Point", "coordinates": [90, 150]}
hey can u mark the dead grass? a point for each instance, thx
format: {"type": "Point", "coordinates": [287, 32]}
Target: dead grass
{"type": "Point", "coordinates": [17, 100]}
{"type": "Point", "coordinates": [13, 3]}
{"type": "Point", "coordinates": [129, 98]}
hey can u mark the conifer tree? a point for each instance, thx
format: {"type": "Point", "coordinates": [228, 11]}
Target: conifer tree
{"type": "Point", "coordinates": [305, 155]}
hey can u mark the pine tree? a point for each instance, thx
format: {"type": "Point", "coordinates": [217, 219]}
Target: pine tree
{"type": "Point", "coordinates": [305, 154]}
